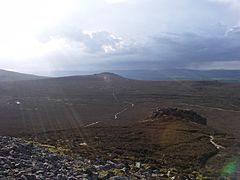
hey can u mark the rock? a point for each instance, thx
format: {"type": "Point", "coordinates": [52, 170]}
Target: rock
{"type": "Point", "coordinates": [30, 176]}
{"type": "Point", "coordinates": [72, 178]}
{"type": "Point", "coordinates": [59, 176]}
{"type": "Point", "coordinates": [188, 115]}
{"type": "Point", "coordinates": [154, 175]}
{"type": "Point", "coordinates": [138, 164]}
{"type": "Point", "coordinates": [20, 160]}
{"type": "Point", "coordinates": [119, 178]}
{"type": "Point", "coordinates": [6, 166]}
{"type": "Point", "coordinates": [5, 151]}
{"type": "Point", "coordinates": [18, 165]}
{"type": "Point", "coordinates": [106, 167]}
{"type": "Point", "coordinates": [119, 166]}
{"type": "Point", "coordinates": [40, 172]}
{"type": "Point", "coordinates": [20, 173]}
{"type": "Point", "coordinates": [53, 157]}
{"type": "Point", "coordinates": [83, 177]}
{"type": "Point", "coordinates": [5, 172]}
{"type": "Point", "coordinates": [50, 174]}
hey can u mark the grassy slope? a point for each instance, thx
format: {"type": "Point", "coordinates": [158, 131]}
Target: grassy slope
{"type": "Point", "coordinates": [54, 107]}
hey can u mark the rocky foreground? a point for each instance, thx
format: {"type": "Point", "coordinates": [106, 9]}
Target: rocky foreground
{"type": "Point", "coordinates": [22, 160]}
{"type": "Point", "coordinates": [25, 160]}
{"type": "Point", "coordinates": [168, 145]}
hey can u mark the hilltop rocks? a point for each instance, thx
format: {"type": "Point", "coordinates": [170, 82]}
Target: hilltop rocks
{"type": "Point", "coordinates": [188, 115]}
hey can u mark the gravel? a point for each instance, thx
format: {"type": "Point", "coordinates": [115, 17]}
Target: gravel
{"type": "Point", "coordinates": [21, 160]}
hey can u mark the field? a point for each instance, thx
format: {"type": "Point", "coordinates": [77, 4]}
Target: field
{"type": "Point", "coordinates": [107, 116]}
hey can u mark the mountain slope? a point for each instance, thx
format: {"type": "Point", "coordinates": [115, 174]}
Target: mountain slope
{"type": "Point", "coordinates": [63, 103]}
{"type": "Point", "coordinates": [15, 76]}
{"type": "Point", "coordinates": [174, 142]}
{"type": "Point", "coordinates": [105, 114]}
{"type": "Point", "coordinates": [181, 74]}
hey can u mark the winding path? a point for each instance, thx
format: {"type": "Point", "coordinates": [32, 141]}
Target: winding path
{"type": "Point", "coordinates": [117, 100]}
{"type": "Point", "coordinates": [114, 96]}
{"type": "Point", "coordinates": [92, 124]}
{"type": "Point", "coordinates": [215, 144]}
{"type": "Point", "coordinates": [125, 109]}
{"type": "Point", "coordinates": [116, 115]}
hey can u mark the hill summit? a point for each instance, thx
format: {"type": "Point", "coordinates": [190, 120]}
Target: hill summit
{"type": "Point", "coordinates": [109, 75]}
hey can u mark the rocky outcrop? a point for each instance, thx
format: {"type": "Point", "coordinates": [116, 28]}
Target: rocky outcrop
{"type": "Point", "coordinates": [188, 115]}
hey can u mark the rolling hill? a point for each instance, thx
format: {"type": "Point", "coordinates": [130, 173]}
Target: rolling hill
{"type": "Point", "coordinates": [181, 74]}
{"type": "Point", "coordinates": [108, 114]}
{"type": "Point", "coordinates": [66, 102]}
{"type": "Point", "coordinates": [15, 76]}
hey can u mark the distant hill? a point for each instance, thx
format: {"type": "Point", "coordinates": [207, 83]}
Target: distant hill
{"type": "Point", "coordinates": [97, 76]}
{"type": "Point", "coordinates": [181, 74]}
{"type": "Point", "coordinates": [69, 102]}
{"type": "Point", "coordinates": [15, 76]}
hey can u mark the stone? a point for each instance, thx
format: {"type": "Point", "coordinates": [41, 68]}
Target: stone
{"type": "Point", "coordinates": [118, 178]}
{"type": "Point", "coordinates": [30, 176]}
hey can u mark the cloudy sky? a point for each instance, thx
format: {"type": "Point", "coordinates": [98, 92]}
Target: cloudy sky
{"type": "Point", "coordinates": [50, 36]}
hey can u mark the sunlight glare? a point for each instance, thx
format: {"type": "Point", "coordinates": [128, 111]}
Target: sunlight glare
{"type": "Point", "coordinates": [21, 22]}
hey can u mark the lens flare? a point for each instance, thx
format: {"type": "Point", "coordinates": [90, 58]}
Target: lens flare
{"type": "Point", "coordinates": [230, 168]}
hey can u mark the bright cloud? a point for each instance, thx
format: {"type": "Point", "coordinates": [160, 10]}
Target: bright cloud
{"type": "Point", "coordinates": [94, 42]}
{"type": "Point", "coordinates": [116, 1]}
{"type": "Point", "coordinates": [233, 3]}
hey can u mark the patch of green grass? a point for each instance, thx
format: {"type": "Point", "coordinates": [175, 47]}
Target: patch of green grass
{"type": "Point", "coordinates": [53, 149]}
{"type": "Point", "coordinates": [102, 173]}
{"type": "Point", "coordinates": [117, 172]}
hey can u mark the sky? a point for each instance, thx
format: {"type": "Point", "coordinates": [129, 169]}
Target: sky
{"type": "Point", "coordinates": [47, 37]}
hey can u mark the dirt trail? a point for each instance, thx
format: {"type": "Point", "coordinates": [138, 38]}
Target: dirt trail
{"type": "Point", "coordinates": [125, 109]}
{"type": "Point", "coordinates": [117, 100]}
{"type": "Point", "coordinates": [116, 115]}
{"type": "Point", "coordinates": [215, 144]}
{"type": "Point", "coordinates": [92, 124]}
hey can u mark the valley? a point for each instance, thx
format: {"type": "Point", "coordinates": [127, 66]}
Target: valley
{"type": "Point", "coordinates": [107, 117]}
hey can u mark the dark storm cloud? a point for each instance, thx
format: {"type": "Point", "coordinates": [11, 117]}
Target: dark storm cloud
{"type": "Point", "coordinates": [166, 50]}
{"type": "Point", "coordinates": [183, 50]}
{"type": "Point", "coordinates": [234, 32]}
